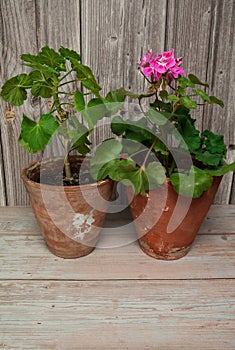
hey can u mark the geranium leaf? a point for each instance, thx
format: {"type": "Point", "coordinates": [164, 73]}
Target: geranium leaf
{"type": "Point", "coordinates": [85, 75]}
{"type": "Point", "coordinates": [79, 101]}
{"type": "Point", "coordinates": [172, 98]}
{"type": "Point", "coordinates": [202, 94]}
{"type": "Point", "coordinates": [195, 80]}
{"type": "Point", "coordinates": [188, 102]}
{"type": "Point", "coordinates": [14, 90]}
{"type": "Point", "coordinates": [156, 117]}
{"type": "Point", "coordinates": [221, 170]}
{"type": "Point", "coordinates": [107, 151]}
{"type": "Point", "coordinates": [213, 99]}
{"type": "Point", "coordinates": [37, 135]}
{"type": "Point", "coordinates": [155, 173]}
{"type": "Point", "coordinates": [94, 111]}
{"type": "Point", "coordinates": [193, 184]}
{"type": "Point", "coordinates": [67, 53]}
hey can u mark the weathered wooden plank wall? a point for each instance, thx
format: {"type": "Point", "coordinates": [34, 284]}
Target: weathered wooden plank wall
{"type": "Point", "coordinates": [111, 35]}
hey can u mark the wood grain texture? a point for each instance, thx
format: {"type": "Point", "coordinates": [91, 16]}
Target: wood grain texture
{"type": "Point", "coordinates": [18, 35]}
{"type": "Point", "coordinates": [2, 178]}
{"type": "Point", "coordinates": [188, 31]}
{"type": "Point", "coordinates": [20, 238]}
{"type": "Point", "coordinates": [117, 315]}
{"type": "Point", "coordinates": [220, 70]}
{"type": "Point", "coordinates": [112, 35]}
{"type": "Point", "coordinates": [116, 298]}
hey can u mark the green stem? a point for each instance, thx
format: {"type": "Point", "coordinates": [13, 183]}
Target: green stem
{"type": "Point", "coordinates": [63, 117]}
{"type": "Point", "coordinates": [67, 82]}
{"type": "Point", "coordinates": [65, 93]}
{"type": "Point", "coordinates": [69, 72]}
{"type": "Point", "coordinates": [148, 153]}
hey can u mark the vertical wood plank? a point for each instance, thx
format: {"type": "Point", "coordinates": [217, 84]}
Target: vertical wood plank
{"type": "Point", "coordinates": [188, 31]}
{"type": "Point", "coordinates": [220, 76]}
{"type": "Point", "coordinates": [18, 35]}
{"type": "Point", "coordinates": [2, 179]}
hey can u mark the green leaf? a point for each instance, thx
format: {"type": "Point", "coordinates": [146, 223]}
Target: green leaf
{"type": "Point", "coordinates": [221, 170]}
{"type": "Point", "coordinates": [156, 117]}
{"type": "Point", "coordinates": [79, 101]}
{"type": "Point", "coordinates": [213, 99]}
{"type": "Point", "coordinates": [37, 135]}
{"type": "Point", "coordinates": [114, 100]}
{"type": "Point", "coordinates": [180, 90]}
{"type": "Point", "coordinates": [163, 94]}
{"type": "Point", "coordinates": [81, 142]}
{"type": "Point", "coordinates": [202, 94]}
{"type": "Point", "coordinates": [213, 149]}
{"type": "Point", "coordinates": [78, 135]}
{"type": "Point", "coordinates": [118, 95]}
{"type": "Point", "coordinates": [193, 184]}
{"type": "Point", "coordinates": [41, 86]}
{"type": "Point", "coordinates": [107, 151]}
{"type": "Point", "coordinates": [51, 58]}
{"type": "Point", "coordinates": [196, 81]}
{"type": "Point", "coordinates": [172, 98]}
{"type": "Point", "coordinates": [214, 143]}
{"type": "Point", "coordinates": [155, 173]}
{"type": "Point", "coordinates": [14, 89]}
{"type": "Point", "coordinates": [184, 82]}
{"type": "Point", "coordinates": [47, 60]}
{"type": "Point", "coordinates": [67, 53]}
{"type": "Point", "coordinates": [188, 132]}
{"type": "Point", "coordinates": [118, 125]}
{"type": "Point", "coordinates": [94, 111]}
{"type": "Point", "coordinates": [188, 103]}
{"type": "Point", "coordinates": [208, 158]}
{"type": "Point", "coordinates": [85, 75]}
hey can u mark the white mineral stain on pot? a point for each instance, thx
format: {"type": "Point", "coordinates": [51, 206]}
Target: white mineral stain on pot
{"type": "Point", "coordinates": [82, 224]}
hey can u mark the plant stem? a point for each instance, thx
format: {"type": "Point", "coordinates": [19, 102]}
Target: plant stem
{"type": "Point", "coordinates": [63, 117]}
{"type": "Point", "coordinates": [67, 166]}
{"type": "Point", "coordinates": [67, 82]}
{"type": "Point", "coordinates": [148, 153]}
{"type": "Point", "coordinates": [69, 72]}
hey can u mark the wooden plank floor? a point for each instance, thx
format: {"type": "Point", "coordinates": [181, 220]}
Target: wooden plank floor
{"type": "Point", "coordinates": [116, 298]}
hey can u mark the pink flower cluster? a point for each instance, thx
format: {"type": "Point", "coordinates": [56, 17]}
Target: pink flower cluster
{"type": "Point", "coordinates": [162, 64]}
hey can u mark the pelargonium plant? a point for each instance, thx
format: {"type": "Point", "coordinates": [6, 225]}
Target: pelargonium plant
{"type": "Point", "coordinates": [50, 72]}
{"type": "Point", "coordinates": [144, 157]}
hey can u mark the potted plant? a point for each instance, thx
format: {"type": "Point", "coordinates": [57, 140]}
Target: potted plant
{"type": "Point", "coordinates": [60, 192]}
{"type": "Point", "coordinates": [174, 170]}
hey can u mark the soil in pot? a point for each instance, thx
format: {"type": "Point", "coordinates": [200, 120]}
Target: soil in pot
{"type": "Point", "coordinates": [70, 217]}
{"type": "Point", "coordinates": [153, 213]}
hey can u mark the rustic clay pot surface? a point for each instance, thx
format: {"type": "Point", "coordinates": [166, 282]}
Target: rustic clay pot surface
{"type": "Point", "coordinates": [69, 217]}
{"type": "Point", "coordinates": [164, 232]}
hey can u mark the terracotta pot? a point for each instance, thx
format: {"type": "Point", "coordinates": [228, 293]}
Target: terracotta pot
{"type": "Point", "coordinates": [70, 217]}
{"type": "Point", "coordinates": [167, 223]}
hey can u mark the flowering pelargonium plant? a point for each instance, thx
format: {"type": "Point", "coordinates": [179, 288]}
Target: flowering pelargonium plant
{"type": "Point", "coordinates": [144, 156]}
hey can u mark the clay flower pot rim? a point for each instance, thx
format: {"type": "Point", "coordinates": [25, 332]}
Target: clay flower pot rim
{"type": "Point", "coordinates": [59, 188]}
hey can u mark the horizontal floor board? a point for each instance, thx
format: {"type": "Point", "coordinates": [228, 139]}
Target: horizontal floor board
{"type": "Point", "coordinates": [220, 219]}
{"type": "Point", "coordinates": [118, 315]}
{"type": "Point", "coordinates": [27, 257]}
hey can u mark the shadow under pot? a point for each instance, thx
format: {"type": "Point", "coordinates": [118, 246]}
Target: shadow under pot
{"type": "Point", "coordinates": [167, 223]}
{"type": "Point", "coordinates": [70, 217]}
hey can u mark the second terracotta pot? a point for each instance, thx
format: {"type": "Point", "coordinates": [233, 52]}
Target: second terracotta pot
{"type": "Point", "coordinates": [167, 223]}
{"type": "Point", "coordinates": [70, 217]}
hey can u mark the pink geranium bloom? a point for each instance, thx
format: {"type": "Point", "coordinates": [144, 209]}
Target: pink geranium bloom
{"type": "Point", "coordinates": [146, 59]}
{"type": "Point", "coordinates": [165, 61]}
{"type": "Point", "coordinates": [162, 65]}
